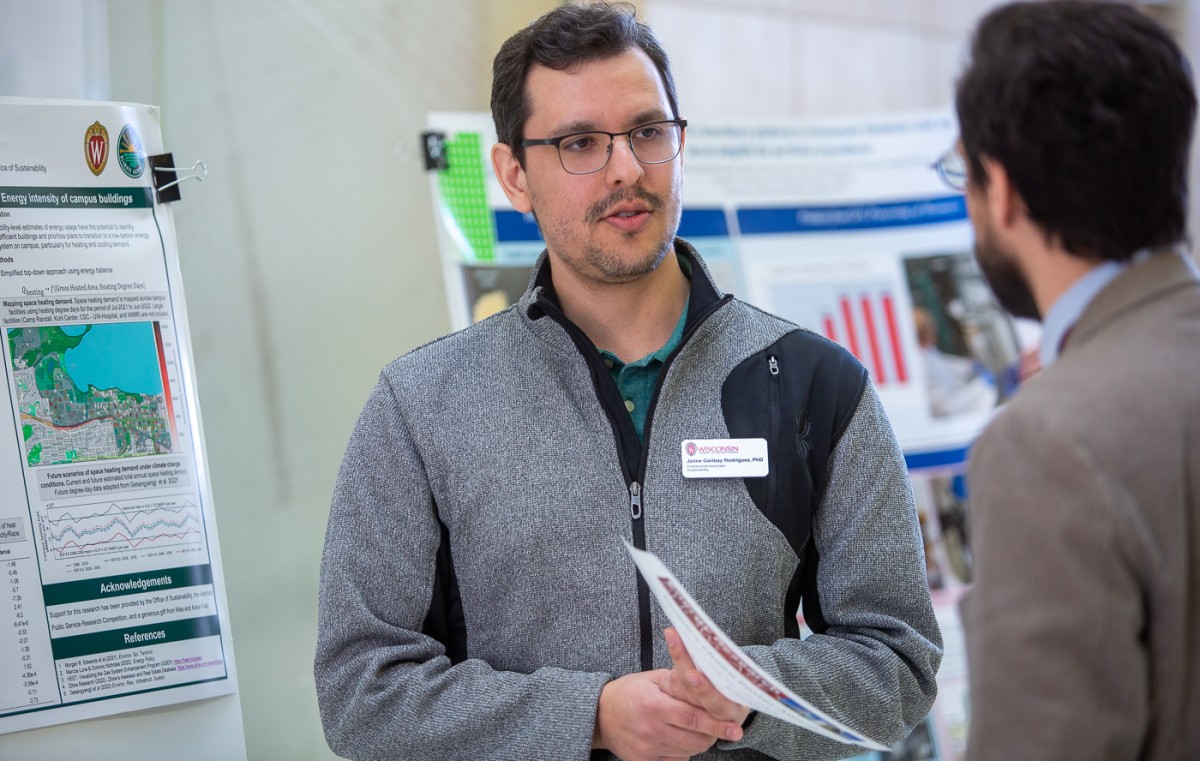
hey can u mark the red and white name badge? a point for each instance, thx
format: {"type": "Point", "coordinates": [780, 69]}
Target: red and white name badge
{"type": "Point", "coordinates": [724, 458]}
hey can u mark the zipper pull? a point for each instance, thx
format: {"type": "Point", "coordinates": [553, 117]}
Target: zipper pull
{"type": "Point", "coordinates": [773, 365]}
{"type": "Point", "coordinates": [635, 500]}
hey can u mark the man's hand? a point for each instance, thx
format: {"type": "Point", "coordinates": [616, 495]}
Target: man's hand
{"type": "Point", "coordinates": [685, 682]}
{"type": "Point", "coordinates": [638, 721]}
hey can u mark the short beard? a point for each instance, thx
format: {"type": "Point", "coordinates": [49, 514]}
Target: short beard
{"type": "Point", "coordinates": [1004, 277]}
{"type": "Point", "coordinates": [618, 270]}
{"type": "Point", "coordinates": [612, 266]}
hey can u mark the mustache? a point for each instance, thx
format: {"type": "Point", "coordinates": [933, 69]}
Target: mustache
{"type": "Point", "coordinates": [600, 209]}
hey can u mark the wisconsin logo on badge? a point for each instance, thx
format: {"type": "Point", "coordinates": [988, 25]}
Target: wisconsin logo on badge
{"type": "Point", "coordinates": [95, 147]}
{"type": "Point", "coordinates": [724, 458]}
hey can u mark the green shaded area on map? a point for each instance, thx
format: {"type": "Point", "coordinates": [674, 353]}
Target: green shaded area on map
{"type": "Point", "coordinates": [62, 423]}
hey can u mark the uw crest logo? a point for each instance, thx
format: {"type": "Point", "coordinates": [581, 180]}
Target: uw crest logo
{"type": "Point", "coordinates": [691, 449]}
{"type": "Point", "coordinates": [95, 147]}
{"type": "Point", "coordinates": [130, 155]}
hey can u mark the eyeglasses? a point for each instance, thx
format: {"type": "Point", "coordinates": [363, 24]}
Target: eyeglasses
{"type": "Point", "coordinates": [952, 168]}
{"type": "Point", "coordinates": [587, 152]}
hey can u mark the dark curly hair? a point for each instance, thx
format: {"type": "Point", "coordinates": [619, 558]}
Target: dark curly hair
{"type": "Point", "coordinates": [1089, 107]}
{"type": "Point", "coordinates": [561, 39]}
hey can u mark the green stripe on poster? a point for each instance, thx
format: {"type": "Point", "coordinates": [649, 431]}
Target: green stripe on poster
{"type": "Point", "coordinates": [127, 584]}
{"type": "Point", "coordinates": [29, 197]}
{"type": "Point", "coordinates": [137, 636]}
{"type": "Point", "coordinates": [464, 190]}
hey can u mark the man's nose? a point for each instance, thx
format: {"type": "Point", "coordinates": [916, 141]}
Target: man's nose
{"type": "Point", "coordinates": [623, 166]}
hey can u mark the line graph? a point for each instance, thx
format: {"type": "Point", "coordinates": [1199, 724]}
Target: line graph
{"type": "Point", "coordinates": [115, 526]}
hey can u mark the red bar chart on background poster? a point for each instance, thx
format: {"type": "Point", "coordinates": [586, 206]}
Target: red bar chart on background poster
{"type": "Point", "coordinates": [860, 316]}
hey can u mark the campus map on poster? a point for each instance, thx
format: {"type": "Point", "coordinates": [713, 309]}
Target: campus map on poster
{"type": "Point", "coordinates": [112, 592]}
{"type": "Point", "coordinates": [842, 226]}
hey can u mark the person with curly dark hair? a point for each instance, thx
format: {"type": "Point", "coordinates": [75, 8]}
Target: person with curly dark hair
{"type": "Point", "coordinates": [1082, 627]}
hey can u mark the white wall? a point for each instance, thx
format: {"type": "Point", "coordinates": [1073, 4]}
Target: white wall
{"type": "Point", "coordinates": [814, 57]}
{"type": "Point", "coordinates": [57, 49]}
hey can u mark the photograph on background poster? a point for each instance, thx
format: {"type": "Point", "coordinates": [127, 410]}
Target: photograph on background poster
{"type": "Point", "coordinates": [969, 348]}
{"type": "Point", "coordinates": [491, 289]}
{"type": "Point", "coordinates": [943, 513]}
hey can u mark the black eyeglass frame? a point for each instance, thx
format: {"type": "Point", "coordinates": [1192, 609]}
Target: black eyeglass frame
{"type": "Point", "coordinates": [612, 136]}
{"type": "Point", "coordinates": [951, 168]}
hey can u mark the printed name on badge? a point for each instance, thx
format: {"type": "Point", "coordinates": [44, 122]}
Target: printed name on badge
{"type": "Point", "coordinates": [724, 458]}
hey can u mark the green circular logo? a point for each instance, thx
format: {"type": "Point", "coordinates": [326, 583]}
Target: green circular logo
{"type": "Point", "coordinates": [130, 154]}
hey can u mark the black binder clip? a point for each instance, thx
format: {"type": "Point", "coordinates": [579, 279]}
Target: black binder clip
{"type": "Point", "coordinates": [166, 178]}
{"type": "Point", "coordinates": [433, 145]}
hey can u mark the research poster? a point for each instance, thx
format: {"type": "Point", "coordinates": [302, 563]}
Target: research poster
{"type": "Point", "coordinates": [113, 597]}
{"type": "Point", "coordinates": [842, 226]}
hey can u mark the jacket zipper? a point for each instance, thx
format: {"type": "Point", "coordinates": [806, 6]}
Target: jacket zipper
{"type": "Point", "coordinates": [636, 478]}
{"type": "Point", "coordinates": [635, 489]}
{"type": "Point", "coordinates": [645, 635]}
{"type": "Point", "coordinates": [773, 463]}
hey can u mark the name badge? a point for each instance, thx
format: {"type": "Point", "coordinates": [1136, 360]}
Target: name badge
{"type": "Point", "coordinates": [724, 458]}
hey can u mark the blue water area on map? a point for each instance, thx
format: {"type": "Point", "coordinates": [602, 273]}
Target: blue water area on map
{"type": "Point", "coordinates": [120, 355]}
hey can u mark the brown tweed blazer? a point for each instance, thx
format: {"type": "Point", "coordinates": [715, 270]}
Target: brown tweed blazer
{"type": "Point", "coordinates": [1083, 628]}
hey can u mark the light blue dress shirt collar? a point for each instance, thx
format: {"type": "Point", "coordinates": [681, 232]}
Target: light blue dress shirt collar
{"type": "Point", "coordinates": [1069, 307]}
{"type": "Point", "coordinates": [1067, 310]}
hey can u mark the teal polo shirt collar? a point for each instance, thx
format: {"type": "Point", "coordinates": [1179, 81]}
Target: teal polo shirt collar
{"type": "Point", "coordinates": [636, 380]}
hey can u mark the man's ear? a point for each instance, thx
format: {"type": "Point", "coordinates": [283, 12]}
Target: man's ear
{"type": "Point", "coordinates": [511, 176]}
{"type": "Point", "coordinates": [1004, 202]}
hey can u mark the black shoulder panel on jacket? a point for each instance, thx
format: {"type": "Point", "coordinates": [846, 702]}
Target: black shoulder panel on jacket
{"type": "Point", "coordinates": [799, 394]}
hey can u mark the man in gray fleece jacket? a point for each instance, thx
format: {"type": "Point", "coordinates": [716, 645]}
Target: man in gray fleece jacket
{"type": "Point", "coordinates": [476, 599]}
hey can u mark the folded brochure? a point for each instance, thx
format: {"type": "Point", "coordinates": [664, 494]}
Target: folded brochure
{"type": "Point", "coordinates": [734, 674]}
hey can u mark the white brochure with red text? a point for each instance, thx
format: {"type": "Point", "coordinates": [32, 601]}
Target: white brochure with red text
{"type": "Point", "coordinates": [730, 670]}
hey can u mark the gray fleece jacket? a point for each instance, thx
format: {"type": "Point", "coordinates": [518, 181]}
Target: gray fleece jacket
{"type": "Point", "coordinates": [475, 594]}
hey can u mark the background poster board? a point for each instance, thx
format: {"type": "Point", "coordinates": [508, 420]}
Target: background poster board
{"type": "Point", "coordinates": [113, 592]}
{"type": "Point", "coordinates": [842, 226]}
